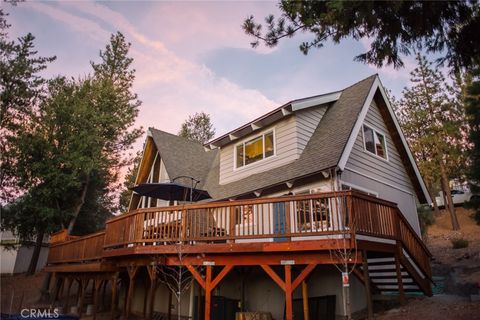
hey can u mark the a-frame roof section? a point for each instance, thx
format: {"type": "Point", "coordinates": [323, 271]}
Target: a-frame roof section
{"type": "Point", "coordinates": [323, 151]}
{"type": "Point", "coordinates": [146, 163]}
{"type": "Point", "coordinates": [182, 157]}
{"type": "Point", "coordinates": [377, 92]}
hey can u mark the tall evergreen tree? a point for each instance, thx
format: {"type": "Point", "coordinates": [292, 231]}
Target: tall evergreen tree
{"type": "Point", "coordinates": [395, 28]}
{"type": "Point", "coordinates": [71, 150]}
{"type": "Point", "coordinates": [197, 128]}
{"type": "Point", "coordinates": [433, 120]}
{"type": "Point", "coordinates": [21, 90]}
{"type": "Point", "coordinates": [472, 107]}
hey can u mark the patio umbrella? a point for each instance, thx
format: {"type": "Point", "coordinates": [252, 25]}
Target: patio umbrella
{"type": "Point", "coordinates": [171, 191]}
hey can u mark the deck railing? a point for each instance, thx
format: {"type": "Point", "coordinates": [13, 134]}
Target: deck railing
{"type": "Point", "coordinates": [80, 249]}
{"type": "Point", "coordinates": [289, 218]}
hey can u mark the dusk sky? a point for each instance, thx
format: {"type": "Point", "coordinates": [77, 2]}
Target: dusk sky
{"type": "Point", "coordinates": [194, 56]}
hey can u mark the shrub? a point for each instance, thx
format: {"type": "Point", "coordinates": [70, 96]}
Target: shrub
{"type": "Point", "coordinates": [426, 217]}
{"type": "Point", "coordinates": [459, 243]}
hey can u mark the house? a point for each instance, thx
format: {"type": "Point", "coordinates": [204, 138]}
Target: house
{"type": "Point", "coordinates": [316, 186]}
{"type": "Point", "coordinates": [16, 255]}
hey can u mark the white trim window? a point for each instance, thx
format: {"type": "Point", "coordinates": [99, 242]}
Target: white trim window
{"type": "Point", "coordinates": [374, 142]}
{"type": "Point", "coordinates": [256, 149]}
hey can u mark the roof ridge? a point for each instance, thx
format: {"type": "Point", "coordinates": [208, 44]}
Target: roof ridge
{"type": "Point", "coordinates": [176, 136]}
{"type": "Point", "coordinates": [358, 82]}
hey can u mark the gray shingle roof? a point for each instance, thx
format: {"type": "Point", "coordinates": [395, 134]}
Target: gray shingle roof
{"type": "Point", "coordinates": [323, 151]}
{"type": "Point", "coordinates": [183, 157]}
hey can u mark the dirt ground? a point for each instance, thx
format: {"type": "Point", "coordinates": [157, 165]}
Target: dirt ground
{"type": "Point", "coordinates": [459, 267]}
{"type": "Point", "coordinates": [20, 291]}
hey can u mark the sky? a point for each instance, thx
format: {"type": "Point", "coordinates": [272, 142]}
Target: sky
{"type": "Point", "coordinates": [194, 56]}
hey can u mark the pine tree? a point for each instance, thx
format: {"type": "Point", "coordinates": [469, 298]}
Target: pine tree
{"type": "Point", "coordinates": [21, 90]}
{"type": "Point", "coordinates": [433, 120]}
{"type": "Point", "coordinates": [197, 128]}
{"type": "Point", "coordinates": [472, 108]}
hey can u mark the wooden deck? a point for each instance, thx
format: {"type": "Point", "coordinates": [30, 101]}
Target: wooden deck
{"type": "Point", "coordinates": [299, 230]}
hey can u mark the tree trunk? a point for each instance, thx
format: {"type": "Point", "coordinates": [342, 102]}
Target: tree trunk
{"type": "Point", "coordinates": [436, 210]}
{"type": "Point", "coordinates": [36, 253]}
{"type": "Point", "coordinates": [76, 212]}
{"type": "Point", "coordinates": [448, 197]}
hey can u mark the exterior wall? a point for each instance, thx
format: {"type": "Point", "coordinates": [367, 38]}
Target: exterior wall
{"type": "Point", "coordinates": [263, 294]}
{"type": "Point", "coordinates": [25, 254]}
{"type": "Point", "coordinates": [307, 122]}
{"type": "Point", "coordinates": [386, 177]}
{"type": "Point", "coordinates": [291, 136]}
{"type": "Point", "coordinates": [8, 258]}
{"type": "Point", "coordinates": [15, 258]}
{"type": "Point", "coordinates": [161, 298]}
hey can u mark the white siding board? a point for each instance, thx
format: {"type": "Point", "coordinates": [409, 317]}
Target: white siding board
{"type": "Point", "coordinates": [285, 152]}
{"type": "Point", "coordinates": [388, 178]}
{"type": "Point", "coordinates": [291, 136]}
{"type": "Point", "coordinates": [391, 171]}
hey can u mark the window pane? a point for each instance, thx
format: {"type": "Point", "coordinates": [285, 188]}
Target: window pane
{"type": "Point", "coordinates": [269, 144]}
{"type": "Point", "coordinates": [240, 156]}
{"type": "Point", "coordinates": [369, 139]}
{"type": "Point", "coordinates": [380, 145]}
{"type": "Point", "coordinates": [253, 150]}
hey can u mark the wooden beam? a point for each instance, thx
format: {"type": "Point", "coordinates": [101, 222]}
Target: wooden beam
{"type": "Point", "coordinates": [221, 275]}
{"type": "Point", "coordinates": [68, 286]}
{"type": "Point", "coordinates": [83, 287]}
{"type": "Point", "coordinates": [306, 312]}
{"type": "Point", "coordinates": [288, 293]}
{"type": "Point", "coordinates": [303, 275]}
{"type": "Point", "coordinates": [132, 272]}
{"type": "Point", "coordinates": [97, 283]}
{"type": "Point", "coordinates": [152, 273]}
{"type": "Point", "coordinates": [274, 276]}
{"type": "Point", "coordinates": [366, 282]}
{"type": "Point", "coordinates": [254, 259]}
{"type": "Point", "coordinates": [114, 295]}
{"type": "Point", "coordinates": [208, 292]}
{"type": "Point", "coordinates": [196, 275]}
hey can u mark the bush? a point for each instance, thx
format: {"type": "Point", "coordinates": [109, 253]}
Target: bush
{"type": "Point", "coordinates": [459, 243]}
{"type": "Point", "coordinates": [476, 216]}
{"type": "Point", "coordinates": [426, 217]}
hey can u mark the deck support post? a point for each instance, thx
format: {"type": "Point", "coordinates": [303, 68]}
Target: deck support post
{"type": "Point", "coordinates": [401, 291]}
{"type": "Point", "coordinates": [208, 284]}
{"type": "Point", "coordinates": [69, 282]}
{"type": "Point", "coordinates": [152, 274]}
{"type": "Point", "coordinates": [288, 293]}
{"type": "Point", "coordinates": [287, 285]}
{"type": "Point", "coordinates": [306, 314]}
{"type": "Point", "coordinates": [97, 284]}
{"type": "Point", "coordinates": [208, 292]}
{"type": "Point", "coordinates": [56, 288]}
{"type": "Point", "coordinates": [83, 289]}
{"type": "Point", "coordinates": [368, 289]}
{"type": "Point", "coordinates": [132, 272]}
{"type": "Point", "coordinates": [113, 307]}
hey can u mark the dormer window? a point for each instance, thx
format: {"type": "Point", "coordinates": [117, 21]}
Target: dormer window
{"type": "Point", "coordinates": [253, 150]}
{"type": "Point", "coordinates": [374, 142]}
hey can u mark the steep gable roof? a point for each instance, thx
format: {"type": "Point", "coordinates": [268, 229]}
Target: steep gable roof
{"type": "Point", "coordinates": [323, 151]}
{"type": "Point", "coordinates": [329, 146]}
{"type": "Point", "coordinates": [183, 157]}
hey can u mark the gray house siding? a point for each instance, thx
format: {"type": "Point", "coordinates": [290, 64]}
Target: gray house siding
{"type": "Point", "coordinates": [307, 122]}
{"type": "Point", "coordinates": [386, 177]}
{"type": "Point", "coordinates": [291, 136]}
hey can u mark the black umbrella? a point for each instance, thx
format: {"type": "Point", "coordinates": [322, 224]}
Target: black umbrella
{"type": "Point", "coordinates": [171, 191]}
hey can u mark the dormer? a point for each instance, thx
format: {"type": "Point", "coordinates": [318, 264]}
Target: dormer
{"type": "Point", "coordinates": [271, 141]}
